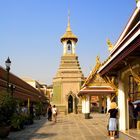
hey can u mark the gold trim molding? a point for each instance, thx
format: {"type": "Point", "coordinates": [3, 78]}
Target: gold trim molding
{"type": "Point", "coordinates": [135, 75]}
{"type": "Point", "coordinates": [111, 83]}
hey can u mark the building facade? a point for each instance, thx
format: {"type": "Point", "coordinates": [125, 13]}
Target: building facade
{"type": "Point", "coordinates": [19, 88]}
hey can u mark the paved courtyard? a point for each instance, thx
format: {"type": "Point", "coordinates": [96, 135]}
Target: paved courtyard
{"type": "Point", "coordinates": [68, 127]}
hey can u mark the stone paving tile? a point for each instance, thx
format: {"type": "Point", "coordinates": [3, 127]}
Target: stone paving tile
{"type": "Point", "coordinates": [69, 127]}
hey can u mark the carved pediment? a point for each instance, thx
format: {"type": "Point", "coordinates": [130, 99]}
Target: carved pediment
{"type": "Point", "coordinates": [97, 81]}
{"type": "Point", "coordinates": [111, 82]}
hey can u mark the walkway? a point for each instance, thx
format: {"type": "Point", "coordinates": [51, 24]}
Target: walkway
{"type": "Point", "coordinates": [69, 127]}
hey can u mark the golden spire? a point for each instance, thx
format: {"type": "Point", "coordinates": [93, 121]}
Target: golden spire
{"type": "Point", "coordinates": [68, 26]}
{"type": "Point", "coordinates": [68, 34]}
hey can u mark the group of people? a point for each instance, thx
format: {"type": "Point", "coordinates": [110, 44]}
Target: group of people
{"type": "Point", "coordinates": [52, 113]}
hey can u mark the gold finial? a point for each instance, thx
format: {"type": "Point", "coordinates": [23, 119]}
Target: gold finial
{"type": "Point", "coordinates": [68, 34]}
{"type": "Point", "coordinates": [136, 1]}
{"type": "Point", "coordinates": [97, 59]}
{"type": "Point", "coordinates": [68, 26]}
{"type": "Point", "coordinates": [109, 44]}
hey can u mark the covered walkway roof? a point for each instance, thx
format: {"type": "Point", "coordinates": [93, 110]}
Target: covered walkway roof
{"type": "Point", "coordinates": [96, 91]}
{"type": "Point", "coordinates": [22, 89]}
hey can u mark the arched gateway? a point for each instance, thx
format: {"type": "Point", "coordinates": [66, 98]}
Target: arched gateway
{"type": "Point", "coordinates": [70, 104]}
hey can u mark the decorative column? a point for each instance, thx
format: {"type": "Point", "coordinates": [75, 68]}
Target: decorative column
{"type": "Point", "coordinates": [122, 106]}
{"type": "Point", "coordinates": [64, 48]}
{"type": "Point", "coordinates": [100, 104]}
{"type": "Point", "coordinates": [73, 48]}
{"type": "Point", "coordinates": [108, 102]}
{"type": "Point", "coordinates": [86, 106]}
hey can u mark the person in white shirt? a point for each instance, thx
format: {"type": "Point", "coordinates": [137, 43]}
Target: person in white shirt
{"type": "Point", "coordinates": [54, 112]}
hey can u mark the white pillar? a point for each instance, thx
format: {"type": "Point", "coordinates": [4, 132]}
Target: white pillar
{"type": "Point", "coordinates": [108, 102]}
{"type": "Point", "coordinates": [100, 104]}
{"type": "Point", "coordinates": [73, 48]}
{"type": "Point", "coordinates": [64, 48]}
{"type": "Point", "coordinates": [121, 107]}
{"type": "Point", "coordinates": [83, 105]}
{"type": "Point", "coordinates": [86, 104]}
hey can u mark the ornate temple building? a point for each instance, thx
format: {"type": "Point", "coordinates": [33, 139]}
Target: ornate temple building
{"type": "Point", "coordinates": [69, 77]}
{"type": "Point", "coordinates": [122, 68]}
{"type": "Point", "coordinates": [96, 86]}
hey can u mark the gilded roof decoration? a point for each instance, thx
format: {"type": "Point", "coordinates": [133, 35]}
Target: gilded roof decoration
{"type": "Point", "coordinates": [136, 1]}
{"type": "Point", "coordinates": [111, 83]}
{"type": "Point", "coordinates": [135, 75]}
{"type": "Point", "coordinates": [68, 34]}
{"type": "Point", "coordinates": [106, 60]}
{"type": "Point", "coordinates": [109, 44]}
{"type": "Point", "coordinates": [132, 24]}
{"type": "Point", "coordinates": [94, 71]}
{"type": "Point", "coordinates": [96, 85]}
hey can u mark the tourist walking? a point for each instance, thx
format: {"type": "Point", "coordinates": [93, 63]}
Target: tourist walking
{"type": "Point", "coordinates": [49, 113]}
{"type": "Point", "coordinates": [54, 112]}
{"type": "Point", "coordinates": [113, 111]}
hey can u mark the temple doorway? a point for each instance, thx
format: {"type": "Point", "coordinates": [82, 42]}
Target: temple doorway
{"type": "Point", "coordinates": [70, 104]}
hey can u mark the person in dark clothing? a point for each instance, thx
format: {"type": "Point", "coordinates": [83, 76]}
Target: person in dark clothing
{"type": "Point", "coordinates": [50, 113]}
{"type": "Point", "coordinates": [132, 116]}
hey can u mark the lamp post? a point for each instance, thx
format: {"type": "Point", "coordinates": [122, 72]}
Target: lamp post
{"type": "Point", "coordinates": [12, 87]}
{"type": "Point", "coordinates": [8, 64]}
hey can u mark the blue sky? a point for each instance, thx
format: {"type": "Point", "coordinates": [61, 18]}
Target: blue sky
{"type": "Point", "coordinates": [30, 32]}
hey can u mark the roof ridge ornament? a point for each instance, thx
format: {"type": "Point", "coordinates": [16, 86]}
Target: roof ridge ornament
{"type": "Point", "coordinates": [98, 59]}
{"type": "Point", "coordinates": [138, 3]}
{"type": "Point", "coordinates": [94, 71]}
{"type": "Point", "coordinates": [110, 45]}
{"type": "Point", "coordinates": [111, 82]}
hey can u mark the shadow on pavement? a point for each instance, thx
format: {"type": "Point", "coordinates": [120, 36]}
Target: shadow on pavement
{"type": "Point", "coordinates": [30, 132]}
{"type": "Point", "coordinates": [42, 135]}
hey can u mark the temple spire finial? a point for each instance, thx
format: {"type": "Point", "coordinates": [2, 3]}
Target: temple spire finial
{"type": "Point", "coordinates": [68, 26]}
{"type": "Point", "coordinates": [68, 34]}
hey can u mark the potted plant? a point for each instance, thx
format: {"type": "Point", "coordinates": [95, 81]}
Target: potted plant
{"type": "Point", "coordinates": [17, 122]}
{"type": "Point", "coordinates": [29, 119]}
{"type": "Point", "coordinates": [7, 108]}
{"type": "Point", "coordinates": [38, 109]}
